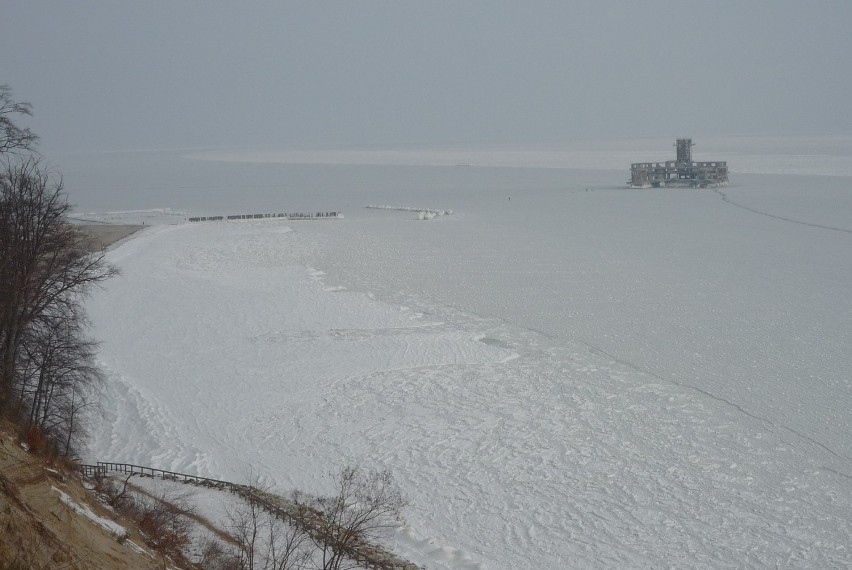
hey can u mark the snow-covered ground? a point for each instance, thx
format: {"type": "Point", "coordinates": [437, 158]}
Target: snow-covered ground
{"type": "Point", "coordinates": [562, 373]}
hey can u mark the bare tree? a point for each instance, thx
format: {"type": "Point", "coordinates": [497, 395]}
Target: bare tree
{"type": "Point", "coordinates": [286, 546]}
{"type": "Point", "coordinates": [264, 541]}
{"type": "Point", "coordinates": [13, 138]}
{"type": "Point", "coordinates": [55, 380]}
{"type": "Point", "coordinates": [73, 433]}
{"type": "Point", "coordinates": [216, 556]}
{"type": "Point", "coordinates": [366, 507]}
{"type": "Point", "coordinates": [45, 270]}
{"type": "Point", "coordinates": [247, 525]}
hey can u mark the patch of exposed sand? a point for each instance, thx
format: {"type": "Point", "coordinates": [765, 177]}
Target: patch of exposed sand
{"type": "Point", "coordinates": [105, 235]}
{"type": "Point", "coordinates": [42, 531]}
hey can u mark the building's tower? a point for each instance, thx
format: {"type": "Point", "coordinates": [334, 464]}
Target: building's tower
{"type": "Point", "coordinates": [684, 151]}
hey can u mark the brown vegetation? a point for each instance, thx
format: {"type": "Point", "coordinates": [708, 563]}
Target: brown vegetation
{"type": "Point", "coordinates": [40, 531]}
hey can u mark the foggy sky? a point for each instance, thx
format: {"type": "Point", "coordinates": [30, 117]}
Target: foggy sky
{"type": "Point", "coordinates": [110, 75]}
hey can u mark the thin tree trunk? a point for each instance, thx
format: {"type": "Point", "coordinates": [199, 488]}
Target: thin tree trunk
{"type": "Point", "coordinates": [35, 408]}
{"type": "Point", "coordinates": [10, 353]}
{"type": "Point", "coordinates": [71, 412]}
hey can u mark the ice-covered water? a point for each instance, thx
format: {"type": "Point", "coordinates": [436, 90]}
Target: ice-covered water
{"type": "Point", "coordinates": [562, 372]}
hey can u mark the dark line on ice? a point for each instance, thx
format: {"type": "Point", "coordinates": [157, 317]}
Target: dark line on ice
{"type": "Point", "coordinates": [782, 218]}
{"type": "Point", "coordinates": [835, 471]}
{"type": "Point", "coordinates": [633, 366]}
{"type": "Point", "coordinates": [766, 421]}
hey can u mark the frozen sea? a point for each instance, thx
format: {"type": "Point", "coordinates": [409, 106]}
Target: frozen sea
{"type": "Point", "coordinates": [564, 372]}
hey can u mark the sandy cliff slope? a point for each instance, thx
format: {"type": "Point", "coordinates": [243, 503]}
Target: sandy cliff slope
{"type": "Point", "coordinates": [48, 520]}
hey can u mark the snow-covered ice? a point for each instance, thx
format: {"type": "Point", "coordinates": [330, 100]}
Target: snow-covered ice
{"type": "Point", "coordinates": [581, 375]}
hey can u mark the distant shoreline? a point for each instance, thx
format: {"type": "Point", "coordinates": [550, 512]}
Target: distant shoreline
{"type": "Point", "coordinates": [105, 235]}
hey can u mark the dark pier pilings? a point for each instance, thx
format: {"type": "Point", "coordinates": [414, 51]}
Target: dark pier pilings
{"type": "Point", "coordinates": [282, 215]}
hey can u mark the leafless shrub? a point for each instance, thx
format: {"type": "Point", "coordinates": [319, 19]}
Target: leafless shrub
{"type": "Point", "coordinates": [164, 520]}
{"type": "Point", "coordinates": [366, 507]}
{"type": "Point", "coordinates": [215, 556]}
{"type": "Point", "coordinates": [116, 494]}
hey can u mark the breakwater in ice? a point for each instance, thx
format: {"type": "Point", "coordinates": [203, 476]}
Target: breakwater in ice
{"type": "Point", "coordinates": [422, 213]}
{"type": "Point", "coordinates": [282, 215]}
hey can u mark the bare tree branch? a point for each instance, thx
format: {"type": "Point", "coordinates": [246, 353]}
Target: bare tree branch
{"type": "Point", "coordinates": [366, 507]}
{"type": "Point", "coordinates": [14, 139]}
{"type": "Point", "coordinates": [46, 362]}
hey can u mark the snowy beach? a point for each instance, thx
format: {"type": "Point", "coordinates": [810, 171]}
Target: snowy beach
{"type": "Point", "coordinates": [562, 373]}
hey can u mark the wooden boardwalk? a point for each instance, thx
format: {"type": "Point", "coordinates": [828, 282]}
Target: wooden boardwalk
{"type": "Point", "coordinates": [310, 520]}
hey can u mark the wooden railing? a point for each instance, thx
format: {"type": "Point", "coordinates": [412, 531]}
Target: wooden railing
{"type": "Point", "coordinates": [103, 468]}
{"type": "Point", "coordinates": [310, 520]}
